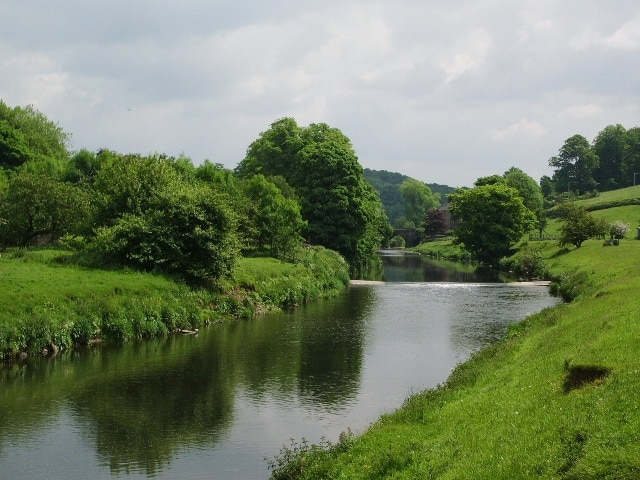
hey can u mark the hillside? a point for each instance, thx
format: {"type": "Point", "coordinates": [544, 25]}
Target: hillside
{"type": "Point", "coordinates": [387, 184]}
{"type": "Point", "coordinates": [557, 398]}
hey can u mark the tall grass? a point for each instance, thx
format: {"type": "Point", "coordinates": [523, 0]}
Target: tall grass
{"type": "Point", "coordinates": [48, 302]}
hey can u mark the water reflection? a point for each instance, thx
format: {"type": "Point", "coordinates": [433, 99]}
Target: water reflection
{"type": "Point", "coordinates": [407, 267]}
{"type": "Point", "coordinates": [213, 405]}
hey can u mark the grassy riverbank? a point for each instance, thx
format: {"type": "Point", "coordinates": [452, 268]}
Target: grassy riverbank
{"type": "Point", "coordinates": [49, 301]}
{"type": "Point", "coordinates": [557, 398]}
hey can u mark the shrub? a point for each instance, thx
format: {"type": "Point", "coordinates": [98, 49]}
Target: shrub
{"type": "Point", "coordinates": [618, 230]}
{"type": "Point", "coordinates": [529, 265]}
{"type": "Point", "coordinates": [569, 286]}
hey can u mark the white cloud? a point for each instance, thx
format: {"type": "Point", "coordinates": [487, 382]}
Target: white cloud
{"type": "Point", "coordinates": [627, 37]}
{"type": "Point", "coordinates": [441, 91]}
{"type": "Point", "coordinates": [522, 128]}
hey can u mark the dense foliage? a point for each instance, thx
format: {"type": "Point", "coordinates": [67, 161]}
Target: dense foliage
{"type": "Point", "coordinates": [609, 162]}
{"type": "Point", "coordinates": [155, 213]}
{"type": "Point", "coordinates": [579, 225]}
{"type": "Point", "coordinates": [341, 209]}
{"type": "Point", "coordinates": [388, 184]}
{"type": "Point", "coordinates": [492, 218]}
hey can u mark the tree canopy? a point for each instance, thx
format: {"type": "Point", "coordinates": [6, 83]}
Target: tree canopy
{"type": "Point", "coordinates": [341, 210]}
{"type": "Point", "coordinates": [27, 135]}
{"type": "Point", "coordinates": [492, 218]}
{"type": "Point", "coordinates": [149, 216]}
{"type": "Point", "coordinates": [579, 225]}
{"type": "Point", "coordinates": [418, 200]}
{"type": "Point", "coordinates": [575, 164]}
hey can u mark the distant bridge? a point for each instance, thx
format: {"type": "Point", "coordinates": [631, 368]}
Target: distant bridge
{"type": "Point", "coordinates": [410, 235]}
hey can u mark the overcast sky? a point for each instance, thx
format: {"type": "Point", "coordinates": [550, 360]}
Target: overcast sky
{"type": "Point", "coordinates": [442, 91]}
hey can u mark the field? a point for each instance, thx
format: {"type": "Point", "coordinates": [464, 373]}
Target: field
{"type": "Point", "coordinates": [557, 398]}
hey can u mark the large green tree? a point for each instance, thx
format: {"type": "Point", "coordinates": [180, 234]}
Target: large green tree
{"type": "Point", "coordinates": [418, 200]}
{"type": "Point", "coordinates": [609, 146]}
{"type": "Point", "coordinates": [276, 220]}
{"type": "Point", "coordinates": [37, 205]}
{"type": "Point", "coordinates": [575, 166]}
{"type": "Point", "coordinates": [631, 158]}
{"type": "Point", "coordinates": [492, 218]}
{"type": "Point", "coordinates": [528, 189]}
{"type": "Point", "coordinates": [27, 135]}
{"type": "Point", "coordinates": [343, 212]}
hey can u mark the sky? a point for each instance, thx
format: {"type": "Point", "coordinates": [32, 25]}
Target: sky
{"type": "Point", "coordinates": [444, 91]}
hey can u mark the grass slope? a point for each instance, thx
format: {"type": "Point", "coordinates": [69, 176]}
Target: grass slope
{"type": "Point", "coordinates": [557, 398]}
{"type": "Point", "coordinates": [47, 300]}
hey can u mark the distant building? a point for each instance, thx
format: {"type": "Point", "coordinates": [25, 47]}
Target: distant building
{"type": "Point", "coordinates": [452, 223]}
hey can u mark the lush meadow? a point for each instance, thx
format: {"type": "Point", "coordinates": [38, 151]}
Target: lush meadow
{"type": "Point", "coordinates": [557, 398]}
{"type": "Point", "coordinates": [50, 301]}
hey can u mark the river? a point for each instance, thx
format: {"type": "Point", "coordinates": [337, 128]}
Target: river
{"type": "Point", "coordinates": [214, 405]}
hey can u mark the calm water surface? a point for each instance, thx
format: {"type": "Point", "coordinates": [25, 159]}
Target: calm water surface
{"type": "Point", "coordinates": [216, 404]}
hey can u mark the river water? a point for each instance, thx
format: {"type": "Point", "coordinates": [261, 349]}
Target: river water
{"type": "Point", "coordinates": [216, 404]}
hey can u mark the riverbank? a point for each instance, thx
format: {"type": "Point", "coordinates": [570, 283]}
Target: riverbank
{"type": "Point", "coordinates": [50, 302]}
{"type": "Point", "coordinates": [557, 398]}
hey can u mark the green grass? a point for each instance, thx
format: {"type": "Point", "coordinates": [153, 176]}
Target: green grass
{"type": "Point", "coordinates": [556, 399]}
{"type": "Point", "coordinates": [613, 196]}
{"type": "Point", "coordinates": [48, 299]}
{"type": "Point", "coordinates": [443, 249]}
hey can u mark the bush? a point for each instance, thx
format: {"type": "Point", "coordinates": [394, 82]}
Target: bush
{"type": "Point", "coordinates": [618, 230]}
{"type": "Point", "coordinates": [569, 286]}
{"type": "Point", "coordinates": [529, 264]}
{"type": "Point", "coordinates": [84, 330]}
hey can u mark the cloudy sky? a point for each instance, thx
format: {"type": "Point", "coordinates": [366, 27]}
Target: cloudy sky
{"type": "Point", "coordinates": [444, 91]}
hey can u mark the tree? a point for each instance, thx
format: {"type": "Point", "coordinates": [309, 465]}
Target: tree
{"type": "Point", "coordinates": [276, 220]}
{"type": "Point", "coordinates": [150, 217]}
{"type": "Point", "coordinates": [130, 184]}
{"type": "Point", "coordinates": [547, 186]}
{"type": "Point", "coordinates": [489, 180]}
{"type": "Point", "coordinates": [631, 157]}
{"type": "Point", "coordinates": [343, 212]}
{"type": "Point", "coordinates": [418, 200]}
{"type": "Point", "coordinates": [618, 230]}
{"type": "Point", "coordinates": [274, 152]}
{"type": "Point", "coordinates": [435, 223]}
{"type": "Point", "coordinates": [492, 218]}
{"type": "Point", "coordinates": [83, 167]}
{"type": "Point", "coordinates": [579, 225]}
{"type": "Point", "coordinates": [14, 150]}
{"type": "Point", "coordinates": [575, 165]}
{"type": "Point", "coordinates": [39, 205]}
{"type": "Point", "coordinates": [528, 189]}
{"type": "Point", "coordinates": [27, 135]}
{"type": "Point", "coordinates": [609, 146]}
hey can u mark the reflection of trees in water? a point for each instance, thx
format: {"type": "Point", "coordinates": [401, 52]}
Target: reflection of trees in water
{"type": "Point", "coordinates": [143, 403]}
{"type": "Point", "coordinates": [332, 351]}
{"type": "Point", "coordinates": [417, 268]}
{"type": "Point", "coordinates": [26, 394]}
{"type": "Point", "coordinates": [314, 351]}
{"type": "Point", "coordinates": [146, 405]}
